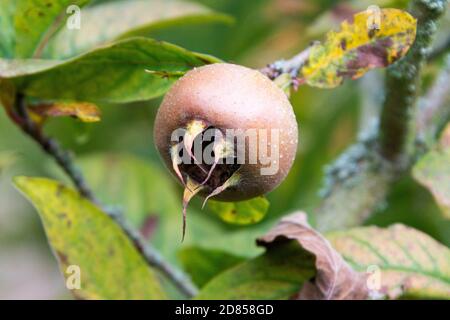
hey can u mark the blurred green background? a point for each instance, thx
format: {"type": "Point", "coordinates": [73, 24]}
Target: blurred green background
{"type": "Point", "coordinates": [121, 163]}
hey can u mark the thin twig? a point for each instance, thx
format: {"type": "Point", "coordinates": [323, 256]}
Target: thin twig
{"type": "Point", "coordinates": [65, 161]}
{"type": "Point", "coordinates": [155, 259]}
{"type": "Point", "coordinates": [52, 148]}
{"type": "Point", "coordinates": [291, 66]}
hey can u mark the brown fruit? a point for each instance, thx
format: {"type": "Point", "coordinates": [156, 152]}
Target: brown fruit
{"type": "Point", "coordinates": [227, 96]}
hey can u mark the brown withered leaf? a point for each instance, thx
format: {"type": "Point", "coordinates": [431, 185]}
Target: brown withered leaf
{"type": "Point", "coordinates": [335, 279]}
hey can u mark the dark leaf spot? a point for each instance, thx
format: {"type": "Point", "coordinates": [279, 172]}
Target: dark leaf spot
{"type": "Point", "coordinates": [62, 215]}
{"type": "Point", "coordinates": [369, 56]}
{"type": "Point", "coordinates": [372, 32]}
{"type": "Point", "coordinates": [62, 257]}
{"type": "Point", "coordinates": [59, 190]}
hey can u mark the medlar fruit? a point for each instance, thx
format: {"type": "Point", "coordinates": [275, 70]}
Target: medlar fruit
{"type": "Point", "coordinates": [219, 101]}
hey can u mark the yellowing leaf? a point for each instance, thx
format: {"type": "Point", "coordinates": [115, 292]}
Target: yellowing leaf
{"type": "Point", "coordinates": [83, 236]}
{"type": "Point", "coordinates": [433, 172]}
{"type": "Point", "coordinates": [86, 112]}
{"type": "Point", "coordinates": [360, 46]}
{"type": "Point", "coordinates": [28, 24]}
{"type": "Point", "coordinates": [401, 262]}
{"type": "Point", "coordinates": [242, 212]}
{"type": "Point", "coordinates": [7, 94]}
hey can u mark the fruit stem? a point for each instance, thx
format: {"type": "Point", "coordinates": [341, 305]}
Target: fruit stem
{"type": "Point", "coordinates": [291, 66]}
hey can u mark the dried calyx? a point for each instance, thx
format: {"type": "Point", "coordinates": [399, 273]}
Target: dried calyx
{"type": "Point", "coordinates": [208, 177]}
{"type": "Point", "coordinates": [202, 108]}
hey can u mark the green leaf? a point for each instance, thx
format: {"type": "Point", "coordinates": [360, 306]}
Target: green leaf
{"type": "Point", "coordinates": [360, 45]}
{"type": "Point", "coordinates": [27, 25]}
{"type": "Point", "coordinates": [211, 233]}
{"type": "Point", "coordinates": [113, 73]}
{"type": "Point", "coordinates": [411, 263]}
{"type": "Point", "coordinates": [82, 235]}
{"type": "Point", "coordinates": [242, 212]}
{"type": "Point", "coordinates": [14, 68]}
{"type": "Point", "coordinates": [433, 172]}
{"type": "Point", "coordinates": [7, 28]}
{"type": "Point", "coordinates": [277, 274]}
{"type": "Point", "coordinates": [204, 264]}
{"type": "Point", "coordinates": [123, 19]}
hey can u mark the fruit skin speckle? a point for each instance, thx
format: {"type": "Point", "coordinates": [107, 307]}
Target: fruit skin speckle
{"type": "Point", "coordinates": [228, 96]}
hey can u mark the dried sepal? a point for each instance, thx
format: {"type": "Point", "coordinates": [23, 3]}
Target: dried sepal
{"type": "Point", "coordinates": [193, 129]}
{"type": "Point", "coordinates": [191, 189]}
{"type": "Point", "coordinates": [176, 161]}
{"type": "Point", "coordinates": [222, 149]}
{"type": "Point", "coordinates": [232, 181]}
{"type": "Point", "coordinates": [84, 111]}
